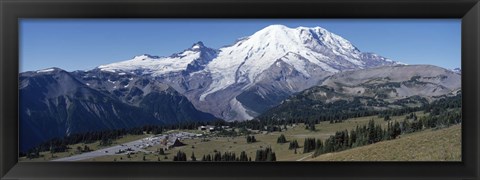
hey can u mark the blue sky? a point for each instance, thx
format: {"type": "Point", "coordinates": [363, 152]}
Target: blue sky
{"type": "Point", "coordinates": [82, 44]}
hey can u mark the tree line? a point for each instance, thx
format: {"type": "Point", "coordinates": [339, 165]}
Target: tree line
{"type": "Point", "coordinates": [372, 133]}
{"type": "Point", "coordinates": [266, 154]}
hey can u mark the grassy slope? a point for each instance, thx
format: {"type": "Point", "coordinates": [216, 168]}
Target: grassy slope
{"type": "Point", "coordinates": [238, 144]}
{"type": "Point", "coordinates": [324, 130]}
{"type": "Point", "coordinates": [438, 145]}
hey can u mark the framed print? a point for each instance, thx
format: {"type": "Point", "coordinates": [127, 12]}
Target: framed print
{"type": "Point", "coordinates": [239, 89]}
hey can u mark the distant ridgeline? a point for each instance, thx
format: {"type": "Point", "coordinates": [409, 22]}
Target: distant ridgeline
{"type": "Point", "coordinates": [392, 90]}
{"type": "Point", "coordinates": [309, 110]}
{"type": "Point", "coordinates": [57, 103]}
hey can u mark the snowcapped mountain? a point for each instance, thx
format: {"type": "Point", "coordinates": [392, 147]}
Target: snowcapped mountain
{"type": "Point", "coordinates": [192, 59]}
{"type": "Point", "coordinates": [257, 72]}
{"type": "Point", "coordinates": [300, 48]}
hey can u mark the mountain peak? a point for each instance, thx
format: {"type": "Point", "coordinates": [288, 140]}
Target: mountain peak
{"type": "Point", "coordinates": [310, 37]}
{"type": "Point", "coordinates": [145, 56]}
{"type": "Point", "coordinates": [457, 70]}
{"type": "Point", "coordinates": [50, 70]}
{"type": "Point", "coordinates": [280, 27]}
{"type": "Point", "coordinates": [275, 27]}
{"type": "Point", "coordinates": [189, 60]}
{"type": "Point", "coordinates": [198, 45]}
{"type": "Point", "coordinates": [273, 30]}
{"type": "Point", "coordinates": [316, 28]}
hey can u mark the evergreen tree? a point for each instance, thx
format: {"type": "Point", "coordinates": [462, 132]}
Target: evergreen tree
{"type": "Point", "coordinates": [387, 118]}
{"type": "Point", "coordinates": [161, 151]}
{"type": "Point", "coordinates": [86, 149]}
{"type": "Point", "coordinates": [193, 157]}
{"type": "Point", "coordinates": [79, 150]}
{"type": "Point", "coordinates": [293, 145]}
{"type": "Point", "coordinates": [281, 139]}
{"type": "Point", "coordinates": [243, 156]}
{"type": "Point", "coordinates": [311, 127]}
{"type": "Point", "coordinates": [271, 157]}
{"type": "Point", "coordinates": [181, 156]}
{"type": "Point", "coordinates": [308, 145]}
{"type": "Point", "coordinates": [371, 132]}
{"type": "Point", "coordinates": [258, 155]}
{"type": "Point", "coordinates": [251, 139]}
{"type": "Point", "coordinates": [217, 156]}
{"type": "Point", "coordinates": [265, 155]}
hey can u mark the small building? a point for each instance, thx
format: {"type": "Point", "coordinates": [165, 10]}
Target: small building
{"type": "Point", "coordinates": [174, 143]}
{"type": "Point", "coordinates": [171, 142]}
{"type": "Point", "coordinates": [206, 128]}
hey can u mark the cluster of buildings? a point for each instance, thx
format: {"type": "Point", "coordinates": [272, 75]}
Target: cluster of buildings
{"type": "Point", "coordinates": [206, 128]}
{"type": "Point", "coordinates": [210, 128]}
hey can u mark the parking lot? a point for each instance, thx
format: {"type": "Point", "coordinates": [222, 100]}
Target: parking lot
{"type": "Point", "coordinates": [133, 146]}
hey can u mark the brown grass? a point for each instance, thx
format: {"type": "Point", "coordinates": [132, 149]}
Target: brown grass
{"type": "Point", "coordinates": [426, 144]}
{"type": "Point", "coordinates": [429, 145]}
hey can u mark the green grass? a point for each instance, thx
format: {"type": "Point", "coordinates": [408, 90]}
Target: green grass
{"type": "Point", "coordinates": [428, 145]}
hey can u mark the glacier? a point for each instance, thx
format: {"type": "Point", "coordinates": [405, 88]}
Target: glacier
{"type": "Point", "coordinates": [202, 73]}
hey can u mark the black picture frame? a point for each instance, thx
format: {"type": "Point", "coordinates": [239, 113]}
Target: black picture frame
{"type": "Point", "coordinates": [12, 10]}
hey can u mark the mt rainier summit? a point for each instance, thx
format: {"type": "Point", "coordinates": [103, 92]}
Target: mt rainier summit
{"type": "Point", "coordinates": [243, 80]}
